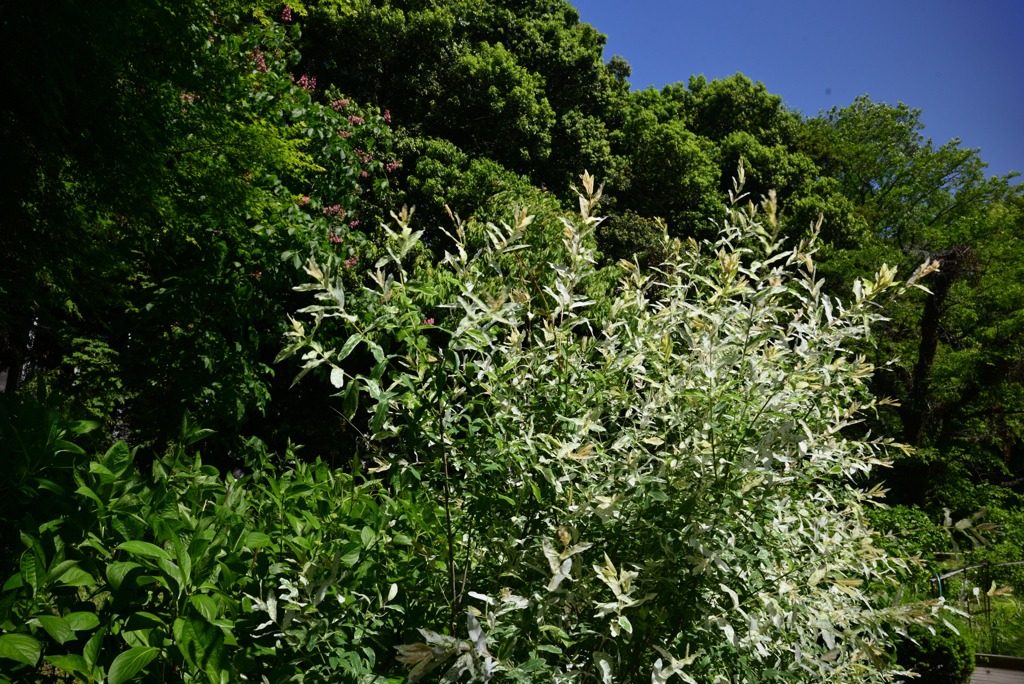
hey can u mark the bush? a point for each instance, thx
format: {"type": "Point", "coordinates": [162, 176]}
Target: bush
{"type": "Point", "coordinates": [941, 656]}
{"type": "Point", "coordinates": [663, 490]}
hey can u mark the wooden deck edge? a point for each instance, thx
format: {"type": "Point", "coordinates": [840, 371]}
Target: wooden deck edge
{"type": "Point", "coordinates": [1000, 661]}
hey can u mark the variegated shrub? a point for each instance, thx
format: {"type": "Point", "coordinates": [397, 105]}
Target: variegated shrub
{"type": "Point", "coordinates": [669, 491]}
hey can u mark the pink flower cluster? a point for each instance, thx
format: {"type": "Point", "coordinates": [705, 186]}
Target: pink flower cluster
{"type": "Point", "coordinates": [261, 63]}
{"type": "Point", "coordinates": [287, 14]}
{"type": "Point", "coordinates": [338, 104]}
{"type": "Point", "coordinates": [364, 157]}
{"type": "Point", "coordinates": [304, 201]}
{"type": "Point", "coordinates": [336, 210]}
{"type": "Point", "coordinates": [387, 115]}
{"type": "Point", "coordinates": [345, 134]}
{"type": "Point", "coordinates": [189, 98]}
{"type": "Point", "coordinates": [334, 238]}
{"type": "Point", "coordinates": [392, 166]}
{"type": "Point", "coordinates": [428, 321]}
{"type": "Point", "coordinates": [353, 119]}
{"type": "Point", "coordinates": [307, 83]}
{"type": "Point", "coordinates": [353, 224]}
{"type": "Point", "coordinates": [350, 262]}
{"type": "Point", "coordinates": [363, 174]}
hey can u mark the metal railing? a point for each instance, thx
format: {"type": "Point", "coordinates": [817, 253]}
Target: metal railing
{"type": "Point", "coordinates": [982, 590]}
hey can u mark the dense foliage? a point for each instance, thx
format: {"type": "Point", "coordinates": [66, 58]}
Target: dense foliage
{"type": "Point", "coordinates": [493, 437]}
{"type": "Point", "coordinates": [942, 657]}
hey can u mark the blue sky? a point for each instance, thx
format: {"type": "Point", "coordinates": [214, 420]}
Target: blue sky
{"type": "Point", "coordinates": [962, 63]}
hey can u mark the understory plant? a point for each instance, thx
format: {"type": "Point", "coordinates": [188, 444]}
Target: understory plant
{"type": "Point", "coordinates": [669, 490]}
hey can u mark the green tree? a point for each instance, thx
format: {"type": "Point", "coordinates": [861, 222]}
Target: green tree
{"type": "Point", "coordinates": [505, 81]}
{"type": "Point", "coordinates": [955, 346]}
{"type": "Point", "coordinates": [150, 282]}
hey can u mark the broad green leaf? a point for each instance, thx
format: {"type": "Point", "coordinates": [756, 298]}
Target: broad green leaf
{"type": "Point", "coordinates": [82, 620]}
{"type": "Point", "coordinates": [206, 606]}
{"type": "Point", "coordinates": [92, 649]}
{"type": "Point", "coordinates": [201, 643]}
{"type": "Point", "coordinates": [367, 537]}
{"type": "Point", "coordinates": [87, 492]}
{"type": "Point", "coordinates": [14, 582]}
{"type": "Point", "coordinates": [117, 459]}
{"type": "Point", "coordinates": [350, 555]}
{"type": "Point", "coordinates": [56, 627]}
{"type": "Point", "coordinates": [20, 647]}
{"type": "Point", "coordinates": [255, 540]}
{"type": "Point", "coordinates": [172, 571]}
{"type": "Point", "coordinates": [141, 548]}
{"type": "Point", "coordinates": [59, 569]}
{"type": "Point", "coordinates": [72, 664]}
{"type": "Point", "coordinates": [76, 577]}
{"type": "Point", "coordinates": [117, 572]}
{"type": "Point", "coordinates": [130, 663]}
{"type": "Point", "coordinates": [102, 472]}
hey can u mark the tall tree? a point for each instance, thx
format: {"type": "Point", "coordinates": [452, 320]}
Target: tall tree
{"type": "Point", "coordinates": [957, 371]}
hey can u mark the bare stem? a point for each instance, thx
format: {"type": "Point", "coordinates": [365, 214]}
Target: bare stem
{"type": "Point", "coordinates": [447, 510]}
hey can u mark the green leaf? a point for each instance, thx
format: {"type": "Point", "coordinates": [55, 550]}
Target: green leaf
{"type": "Point", "coordinates": [206, 606]}
{"type": "Point", "coordinates": [172, 571]}
{"type": "Point", "coordinates": [101, 471]}
{"type": "Point", "coordinates": [91, 652]}
{"type": "Point", "coordinates": [31, 570]}
{"type": "Point", "coordinates": [201, 643]}
{"type": "Point", "coordinates": [49, 485]}
{"type": "Point", "coordinates": [184, 560]}
{"type": "Point", "coordinates": [379, 416]}
{"type": "Point", "coordinates": [347, 348]}
{"type": "Point", "coordinates": [531, 665]}
{"type": "Point", "coordinates": [141, 548]}
{"type": "Point", "coordinates": [20, 647]}
{"type": "Point", "coordinates": [367, 537]}
{"type": "Point", "coordinates": [350, 402]}
{"type": "Point", "coordinates": [56, 627]}
{"type": "Point", "coordinates": [82, 620]}
{"type": "Point", "coordinates": [536, 491]}
{"type": "Point", "coordinates": [130, 663]}
{"type": "Point", "coordinates": [76, 577]}
{"type": "Point", "coordinates": [85, 491]}
{"type": "Point", "coordinates": [117, 572]}
{"type": "Point", "coordinates": [59, 569]}
{"type": "Point", "coordinates": [71, 664]}
{"type": "Point", "coordinates": [255, 540]}
{"type": "Point", "coordinates": [350, 555]}
{"type": "Point", "coordinates": [15, 582]}
{"type": "Point", "coordinates": [117, 459]}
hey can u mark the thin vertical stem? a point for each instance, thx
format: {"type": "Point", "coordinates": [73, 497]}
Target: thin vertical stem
{"type": "Point", "coordinates": [447, 509]}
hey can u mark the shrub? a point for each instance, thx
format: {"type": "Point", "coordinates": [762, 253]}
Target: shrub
{"type": "Point", "coordinates": [667, 490]}
{"type": "Point", "coordinates": [939, 654]}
